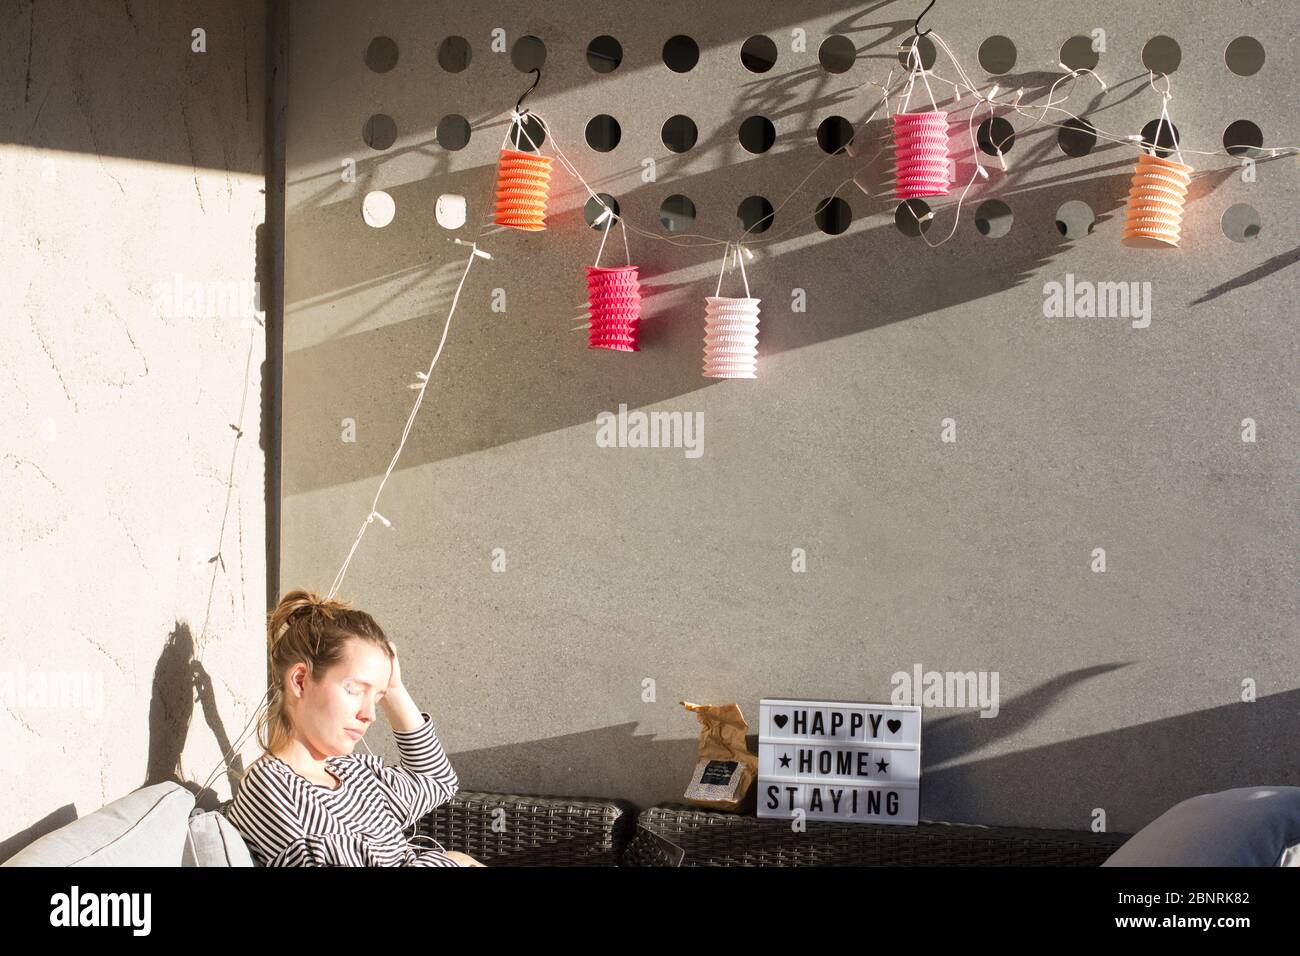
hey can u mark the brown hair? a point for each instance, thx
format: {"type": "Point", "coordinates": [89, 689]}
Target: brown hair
{"type": "Point", "coordinates": [308, 629]}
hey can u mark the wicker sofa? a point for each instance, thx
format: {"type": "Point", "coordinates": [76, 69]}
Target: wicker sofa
{"type": "Point", "coordinates": [529, 830]}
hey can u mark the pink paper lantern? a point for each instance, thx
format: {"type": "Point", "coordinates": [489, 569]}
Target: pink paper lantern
{"type": "Point", "coordinates": [614, 303]}
{"type": "Point", "coordinates": [921, 154]}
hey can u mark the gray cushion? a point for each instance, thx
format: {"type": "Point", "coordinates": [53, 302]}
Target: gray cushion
{"type": "Point", "coordinates": [144, 828]}
{"type": "Point", "coordinates": [214, 841]}
{"type": "Point", "coordinates": [1248, 826]}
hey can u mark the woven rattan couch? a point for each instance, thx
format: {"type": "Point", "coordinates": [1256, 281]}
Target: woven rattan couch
{"type": "Point", "coordinates": [525, 830]}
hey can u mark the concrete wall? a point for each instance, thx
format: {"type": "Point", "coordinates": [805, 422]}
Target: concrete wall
{"type": "Point", "coordinates": [1119, 690]}
{"type": "Point", "coordinates": [130, 166]}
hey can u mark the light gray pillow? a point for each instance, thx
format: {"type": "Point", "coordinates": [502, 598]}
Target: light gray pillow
{"type": "Point", "coordinates": [214, 841]}
{"type": "Point", "coordinates": [144, 828]}
{"type": "Point", "coordinates": [1247, 826]}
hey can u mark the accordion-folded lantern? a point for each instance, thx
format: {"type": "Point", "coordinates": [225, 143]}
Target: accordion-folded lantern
{"type": "Point", "coordinates": [614, 304]}
{"type": "Point", "coordinates": [523, 184]}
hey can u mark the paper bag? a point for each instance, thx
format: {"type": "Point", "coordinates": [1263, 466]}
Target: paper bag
{"type": "Point", "coordinates": [726, 769]}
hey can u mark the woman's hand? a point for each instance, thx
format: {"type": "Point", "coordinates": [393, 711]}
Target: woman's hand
{"type": "Point", "coordinates": [396, 681]}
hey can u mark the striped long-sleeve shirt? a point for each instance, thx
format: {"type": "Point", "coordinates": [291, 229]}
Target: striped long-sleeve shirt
{"type": "Point", "coordinates": [287, 820]}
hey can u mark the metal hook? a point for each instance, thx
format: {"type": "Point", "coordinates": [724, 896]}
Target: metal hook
{"type": "Point", "coordinates": [916, 27]}
{"type": "Point", "coordinates": [1167, 94]}
{"type": "Point", "coordinates": [520, 102]}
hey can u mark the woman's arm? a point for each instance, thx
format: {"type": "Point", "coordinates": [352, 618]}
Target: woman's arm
{"type": "Point", "coordinates": [425, 778]}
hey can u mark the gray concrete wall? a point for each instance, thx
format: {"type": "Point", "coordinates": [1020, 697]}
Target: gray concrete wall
{"type": "Point", "coordinates": [1119, 690]}
{"type": "Point", "coordinates": [130, 165]}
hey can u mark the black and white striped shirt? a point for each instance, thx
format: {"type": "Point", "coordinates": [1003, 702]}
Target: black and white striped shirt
{"type": "Point", "coordinates": [287, 820]}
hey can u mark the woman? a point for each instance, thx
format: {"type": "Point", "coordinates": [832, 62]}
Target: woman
{"type": "Point", "coordinates": [309, 800]}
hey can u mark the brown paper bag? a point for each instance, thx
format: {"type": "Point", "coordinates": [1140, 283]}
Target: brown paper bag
{"type": "Point", "coordinates": [726, 769]}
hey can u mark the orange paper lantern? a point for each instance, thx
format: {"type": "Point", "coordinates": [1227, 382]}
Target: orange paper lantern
{"type": "Point", "coordinates": [1155, 202]}
{"type": "Point", "coordinates": [523, 182]}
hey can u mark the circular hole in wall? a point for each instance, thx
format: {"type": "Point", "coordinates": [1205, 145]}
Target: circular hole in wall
{"type": "Point", "coordinates": [453, 132]}
{"type": "Point", "coordinates": [993, 218]}
{"type": "Point", "coordinates": [527, 139]}
{"type": "Point", "coordinates": [1076, 137]}
{"type": "Point", "coordinates": [603, 133]}
{"type": "Point", "coordinates": [1240, 222]}
{"type": "Point", "coordinates": [454, 54]}
{"type": "Point", "coordinates": [834, 134]}
{"type": "Point", "coordinates": [528, 53]}
{"type": "Point", "coordinates": [1243, 138]}
{"type": "Point", "coordinates": [837, 54]}
{"type": "Point", "coordinates": [1163, 135]}
{"type": "Point", "coordinates": [591, 212]}
{"type": "Point", "coordinates": [378, 209]}
{"type": "Point", "coordinates": [1075, 219]}
{"type": "Point", "coordinates": [681, 53]}
{"type": "Point", "coordinates": [1162, 54]}
{"type": "Point", "coordinates": [381, 54]}
{"type": "Point", "coordinates": [380, 132]}
{"type": "Point", "coordinates": [755, 214]}
{"type": "Point", "coordinates": [909, 217]}
{"type": "Point", "coordinates": [833, 215]}
{"type": "Point", "coordinates": [604, 54]}
{"type": "Point", "coordinates": [679, 133]}
{"type": "Point", "coordinates": [677, 213]}
{"type": "Point", "coordinates": [1077, 54]}
{"type": "Point", "coordinates": [450, 210]}
{"type": "Point", "coordinates": [758, 54]}
{"type": "Point", "coordinates": [997, 55]}
{"type": "Point", "coordinates": [924, 46]}
{"type": "Point", "coordinates": [757, 134]}
{"type": "Point", "coordinates": [995, 134]}
{"type": "Point", "coordinates": [1244, 56]}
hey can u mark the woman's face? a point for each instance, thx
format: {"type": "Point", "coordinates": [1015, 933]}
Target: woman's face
{"type": "Point", "coordinates": [337, 709]}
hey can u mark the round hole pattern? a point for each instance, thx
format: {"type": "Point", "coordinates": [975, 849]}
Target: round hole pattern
{"type": "Point", "coordinates": [758, 54]}
{"type": "Point", "coordinates": [909, 217]}
{"type": "Point", "coordinates": [378, 209]}
{"type": "Point", "coordinates": [837, 54]}
{"type": "Point", "coordinates": [1162, 135]}
{"type": "Point", "coordinates": [450, 210]}
{"type": "Point", "coordinates": [924, 46]}
{"type": "Point", "coordinates": [380, 131]}
{"type": "Point", "coordinates": [1162, 54]}
{"type": "Point", "coordinates": [1243, 138]}
{"type": "Point", "coordinates": [532, 134]}
{"type": "Point", "coordinates": [592, 211]}
{"type": "Point", "coordinates": [603, 133]}
{"type": "Point", "coordinates": [1076, 137]}
{"type": "Point", "coordinates": [834, 134]}
{"type": "Point", "coordinates": [679, 133]}
{"type": "Point", "coordinates": [1244, 56]}
{"type": "Point", "coordinates": [995, 134]}
{"type": "Point", "coordinates": [677, 213]}
{"type": "Point", "coordinates": [381, 54]}
{"type": "Point", "coordinates": [604, 54]}
{"type": "Point", "coordinates": [453, 132]}
{"type": "Point", "coordinates": [755, 214]}
{"type": "Point", "coordinates": [1240, 222]}
{"type": "Point", "coordinates": [833, 215]}
{"type": "Point", "coordinates": [1077, 54]}
{"type": "Point", "coordinates": [993, 218]}
{"type": "Point", "coordinates": [997, 55]}
{"type": "Point", "coordinates": [528, 53]}
{"type": "Point", "coordinates": [757, 134]}
{"type": "Point", "coordinates": [1075, 219]}
{"type": "Point", "coordinates": [454, 54]}
{"type": "Point", "coordinates": [681, 53]}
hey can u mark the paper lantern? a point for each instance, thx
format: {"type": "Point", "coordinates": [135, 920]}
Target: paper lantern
{"type": "Point", "coordinates": [921, 154]}
{"type": "Point", "coordinates": [614, 301]}
{"type": "Point", "coordinates": [523, 181]}
{"type": "Point", "coordinates": [1155, 202]}
{"type": "Point", "coordinates": [730, 337]}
